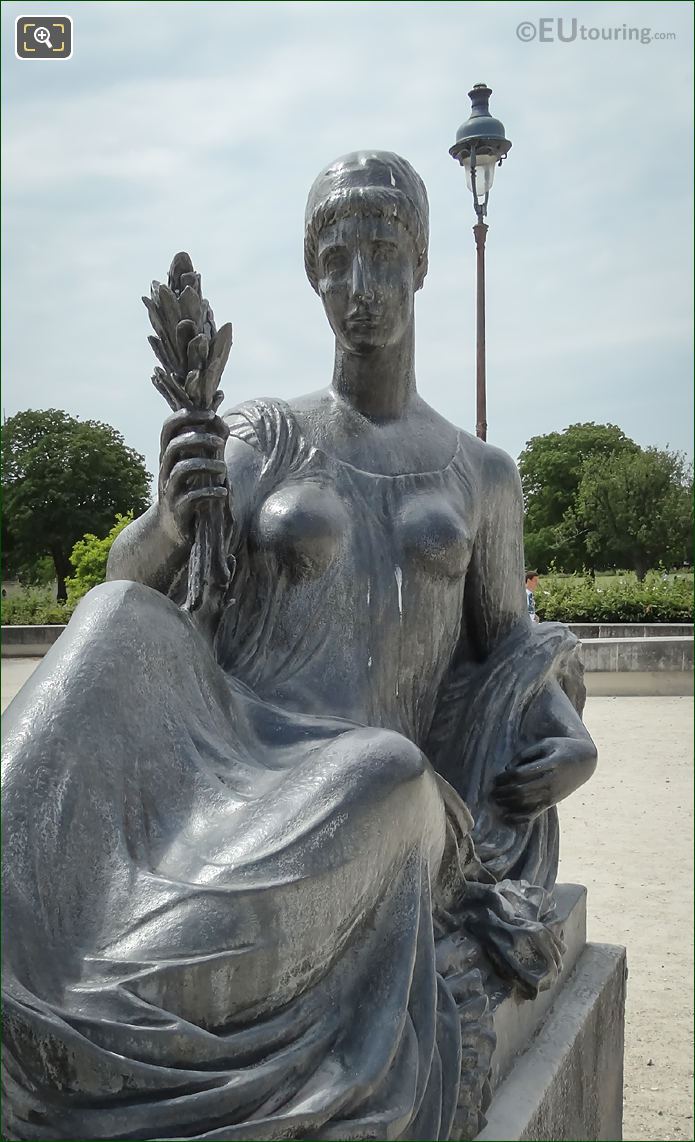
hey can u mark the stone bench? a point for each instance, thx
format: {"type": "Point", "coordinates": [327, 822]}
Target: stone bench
{"type": "Point", "coordinates": [647, 662]}
{"type": "Point", "coordinates": [29, 641]}
{"type": "Point", "coordinates": [638, 666]}
{"type": "Point", "coordinates": [631, 630]}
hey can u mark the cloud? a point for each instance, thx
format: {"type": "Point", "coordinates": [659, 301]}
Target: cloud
{"type": "Point", "coordinates": [201, 126]}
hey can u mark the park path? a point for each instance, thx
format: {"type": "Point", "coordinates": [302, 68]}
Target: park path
{"type": "Point", "coordinates": [627, 835]}
{"type": "Point", "coordinates": [15, 672]}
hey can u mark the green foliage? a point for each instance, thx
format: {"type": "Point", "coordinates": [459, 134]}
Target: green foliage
{"type": "Point", "coordinates": [635, 509]}
{"type": "Point", "coordinates": [595, 499]}
{"type": "Point", "coordinates": [34, 607]}
{"type": "Point", "coordinates": [622, 599]}
{"type": "Point", "coordinates": [89, 557]}
{"type": "Point", "coordinates": [62, 478]}
{"type": "Point", "coordinates": [551, 469]}
{"type": "Point", "coordinates": [39, 573]}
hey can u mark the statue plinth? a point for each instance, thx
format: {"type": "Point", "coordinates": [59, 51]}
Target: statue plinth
{"type": "Point", "coordinates": [557, 1069]}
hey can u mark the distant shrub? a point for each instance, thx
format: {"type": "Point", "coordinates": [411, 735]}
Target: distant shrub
{"type": "Point", "coordinates": [89, 557]}
{"type": "Point", "coordinates": [39, 573]}
{"type": "Point", "coordinates": [579, 599]}
{"type": "Point", "coordinates": [34, 607]}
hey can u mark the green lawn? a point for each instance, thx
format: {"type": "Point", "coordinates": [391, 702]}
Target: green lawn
{"type": "Point", "coordinates": [607, 578]}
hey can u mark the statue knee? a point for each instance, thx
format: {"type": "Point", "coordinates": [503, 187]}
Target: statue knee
{"type": "Point", "coordinates": [126, 611]}
{"type": "Point", "coordinates": [392, 753]}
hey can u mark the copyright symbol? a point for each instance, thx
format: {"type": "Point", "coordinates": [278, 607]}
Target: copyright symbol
{"type": "Point", "coordinates": [526, 31]}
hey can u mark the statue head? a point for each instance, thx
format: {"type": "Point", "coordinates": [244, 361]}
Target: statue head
{"type": "Point", "coordinates": [365, 245]}
{"type": "Point", "coordinates": [377, 183]}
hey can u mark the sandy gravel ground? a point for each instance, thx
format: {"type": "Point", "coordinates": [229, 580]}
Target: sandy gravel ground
{"type": "Point", "coordinates": [15, 672]}
{"type": "Point", "coordinates": [628, 835]}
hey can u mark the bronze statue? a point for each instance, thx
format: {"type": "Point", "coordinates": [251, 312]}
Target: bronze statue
{"type": "Point", "coordinates": [280, 804]}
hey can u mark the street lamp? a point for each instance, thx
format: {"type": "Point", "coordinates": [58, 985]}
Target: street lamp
{"type": "Point", "coordinates": [480, 146]}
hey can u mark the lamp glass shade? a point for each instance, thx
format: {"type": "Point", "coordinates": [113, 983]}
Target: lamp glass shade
{"type": "Point", "coordinates": [484, 173]}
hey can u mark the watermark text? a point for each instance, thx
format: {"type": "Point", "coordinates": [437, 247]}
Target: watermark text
{"type": "Point", "coordinates": [568, 30]}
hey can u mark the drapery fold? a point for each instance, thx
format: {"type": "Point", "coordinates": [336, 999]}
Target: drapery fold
{"type": "Point", "coordinates": [218, 916]}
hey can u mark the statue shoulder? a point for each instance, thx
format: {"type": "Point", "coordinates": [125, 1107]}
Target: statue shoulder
{"type": "Point", "coordinates": [502, 501]}
{"type": "Point", "coordinates": [259, 422]}
{"type": "Point", "coordinates": [264, 434]}
{"type": "Point", "coordinates": [499, 472]}
{"type": "Point", "coordinates": [494, 472]}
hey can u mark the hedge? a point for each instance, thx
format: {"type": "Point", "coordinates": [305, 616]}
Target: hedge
{"type": "Point", "coordinates": [573, 599]}
{"type": "Point", "coordinates": [35, 606]}
{"type": "Point", "coordinates": [578, 599]}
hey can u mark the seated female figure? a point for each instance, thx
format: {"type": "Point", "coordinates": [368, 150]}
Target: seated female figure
{"type": "Point", "coordinates": [244, 896]}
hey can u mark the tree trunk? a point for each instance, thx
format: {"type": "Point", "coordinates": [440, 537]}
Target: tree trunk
{"type": "Point", "coordinates": [63, 568]}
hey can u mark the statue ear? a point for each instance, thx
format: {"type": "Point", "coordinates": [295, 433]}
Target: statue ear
{"type": "Point", "coordinates": [420, 271]}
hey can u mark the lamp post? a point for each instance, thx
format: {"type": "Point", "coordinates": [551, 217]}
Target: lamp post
{"type": "Point", "coordinates": [480, 146]}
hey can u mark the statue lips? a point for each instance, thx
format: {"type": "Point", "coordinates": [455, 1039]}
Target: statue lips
{"type": "Point", "coordinates": [362, 319]}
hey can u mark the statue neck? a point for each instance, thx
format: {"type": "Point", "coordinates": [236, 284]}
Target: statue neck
{"type": "Point", "coordinates": [380, 384]}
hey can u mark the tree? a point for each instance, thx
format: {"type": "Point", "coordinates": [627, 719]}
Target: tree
{"type": "Point", "coordinates": [61, 478]}
{"type": "Point", "coordinates": [636, 509]}
{"type": "Point", "coordinates": [551, 469]}
{"type": "Point", "coordinates": [89, 558]}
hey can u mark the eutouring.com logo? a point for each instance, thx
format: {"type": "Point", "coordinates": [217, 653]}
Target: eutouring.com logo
{"type": "Point", "coordinates": [561, 30]}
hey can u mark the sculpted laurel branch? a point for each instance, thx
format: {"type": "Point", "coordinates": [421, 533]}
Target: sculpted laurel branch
{"type": "Point", "coordinates": [191, 351]}
{"type": "Point", "coordinates": [192, 354]}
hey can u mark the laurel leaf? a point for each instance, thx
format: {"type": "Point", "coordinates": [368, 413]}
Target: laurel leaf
{"type": "Point", "coordinates": [169, 308]}
{"type": "Point", "coordinates": [185, 331]}
{"type": "Point", "coordinates": [192, 280]}
{"type": "Point", "coordinates": [196, 389]}
{"type": "Point", "coordinates": [198, 348]}
{"type": "Point", "coordinates": [160, 352]}
{"type": "Point", "coordinates": [165, 334]}
{"type": "Point", "coordinates": [217, 360]}
{"type": "Point", "coordinates": [190, 305]}
{"type": "Point", "coordinates": [181, 264]}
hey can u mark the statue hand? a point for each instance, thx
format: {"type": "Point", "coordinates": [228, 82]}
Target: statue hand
{"type": "Point", "coordinates": [543, 774]}
{"type": "Point", "coordinates": [192, 470]}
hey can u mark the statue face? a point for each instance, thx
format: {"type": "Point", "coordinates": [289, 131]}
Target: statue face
{"type": "Point", "coordinates": [366, 270]}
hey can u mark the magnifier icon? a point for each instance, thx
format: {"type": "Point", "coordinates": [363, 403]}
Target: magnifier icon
{"type": "Point", "coordinates": [43, 36]}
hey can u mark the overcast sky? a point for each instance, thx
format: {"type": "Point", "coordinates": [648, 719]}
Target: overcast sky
{"type": "Point", "coordinates": [200, 126]}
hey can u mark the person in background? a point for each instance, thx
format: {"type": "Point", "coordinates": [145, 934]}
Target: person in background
{"type": "Point", "coordinates": [531, 584]}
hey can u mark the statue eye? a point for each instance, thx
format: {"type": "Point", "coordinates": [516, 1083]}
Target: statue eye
{"type": "Point", "coordinates": [333, 261]}
{"type": "Point", "coordinates": [383, 251]}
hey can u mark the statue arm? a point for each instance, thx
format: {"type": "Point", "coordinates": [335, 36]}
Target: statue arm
{"type": "Point", "coordinates": [144, 552]}
{"type": "Point", "coordinates": [561, 756]}
{"type": "Point", "coordinates": [494, 600]}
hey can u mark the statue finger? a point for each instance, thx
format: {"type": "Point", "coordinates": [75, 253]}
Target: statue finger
{"type": "Point", "coordinates": [184, 419]}
{"type": "Point", "coordinates": [191, 501]}
{"type": "Point", "coordinates": [190, 444]}
{"type": "Point", "coordinates": [183, 471]}
{"type": "Point", "coordinates": [530, 753]}
{"type": "Point", "coordinates": [525, 774]}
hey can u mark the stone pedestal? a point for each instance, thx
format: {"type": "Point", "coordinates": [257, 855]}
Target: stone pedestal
{"type": "Point", "coordinates": [557, 1071]}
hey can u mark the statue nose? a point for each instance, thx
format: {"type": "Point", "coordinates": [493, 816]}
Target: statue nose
{"type": "Point", "coordinates": [362, 286]}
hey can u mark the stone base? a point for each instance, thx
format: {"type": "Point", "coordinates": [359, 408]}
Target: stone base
{"type": "Point", "coordinates": [516, 1021]}
{"type": "Point", "coordinates": [557, 1071]}
{"type": "Point", "coordinates": [568, 1084]}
